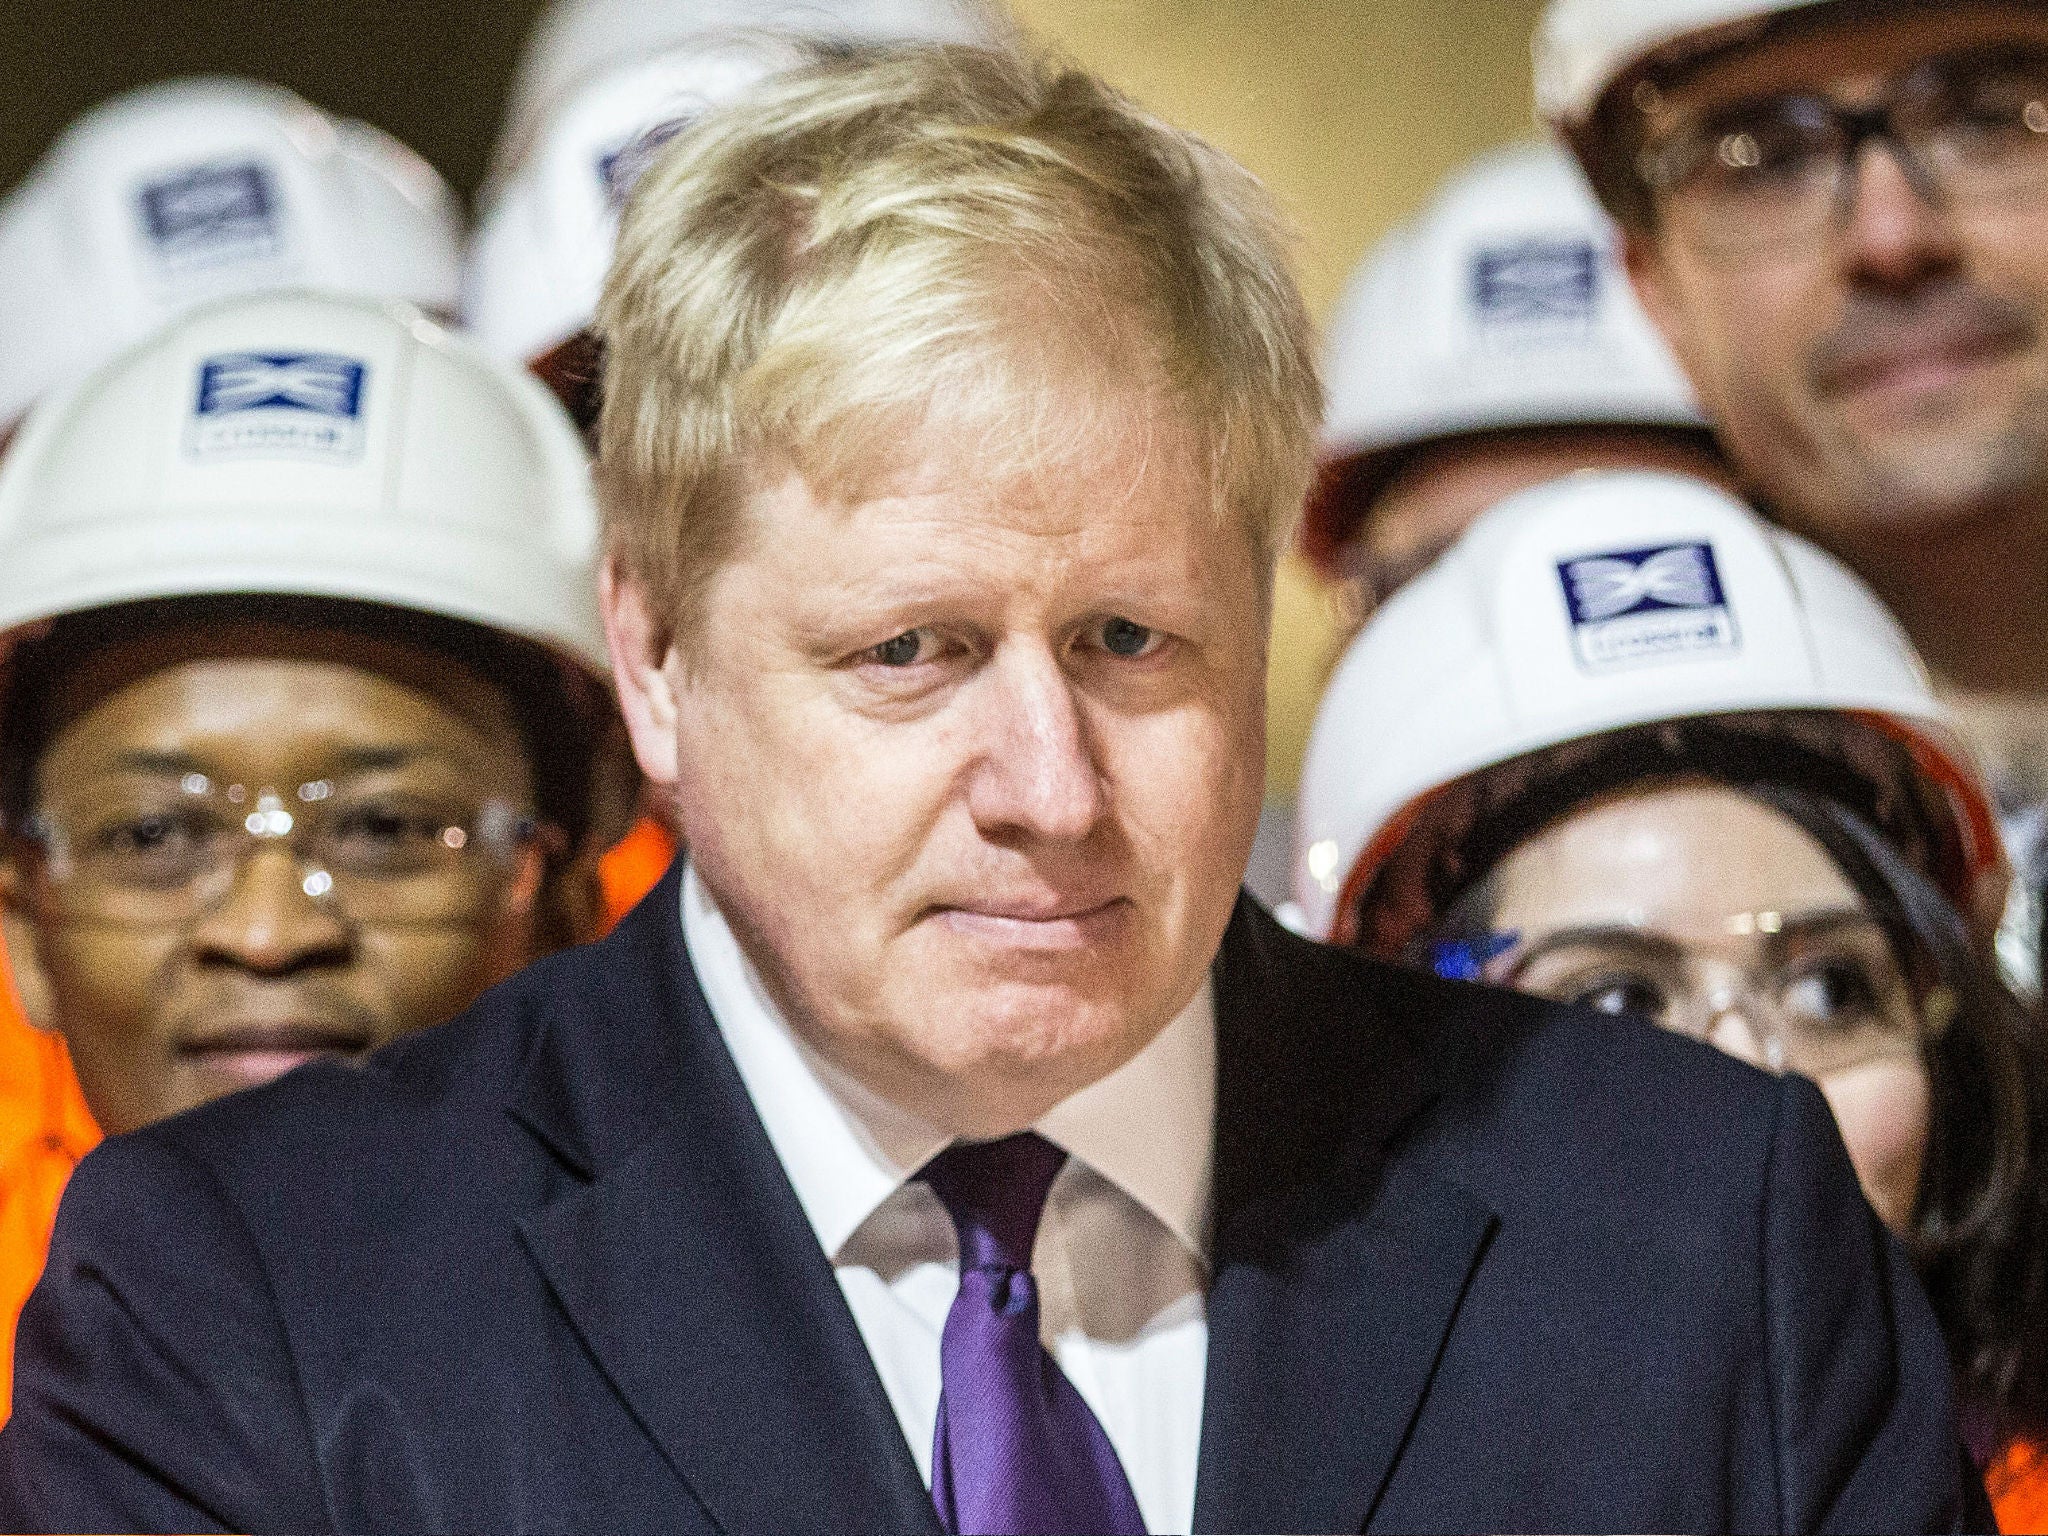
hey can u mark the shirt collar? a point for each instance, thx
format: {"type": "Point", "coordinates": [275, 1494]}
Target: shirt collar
{"type": "Point", "coordinates": [1148, 1127]}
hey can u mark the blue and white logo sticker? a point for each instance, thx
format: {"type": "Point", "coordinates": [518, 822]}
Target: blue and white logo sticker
{"type": "Point", "coordinates": [293, 405]}
{"type": "Point", "coordinates": [207, 216]}
{"type": "Point", "coordinates": [1635, 607]}
{"type": "Point", "coordinates": [1542, 285]}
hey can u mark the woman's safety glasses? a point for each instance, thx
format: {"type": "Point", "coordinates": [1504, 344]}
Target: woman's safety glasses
{"type": "Point", "coordinates": [160, 852]}
{"type": "Point", "coordinates": [1815, 993]}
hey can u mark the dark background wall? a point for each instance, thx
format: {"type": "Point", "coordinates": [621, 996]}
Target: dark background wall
{"type": "Point", "coordinates": [433, 72]}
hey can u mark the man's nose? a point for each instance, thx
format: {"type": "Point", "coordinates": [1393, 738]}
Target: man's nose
{"type": "Point", "coordinates": [1893, 233]}
{"type": "Point", "coordinates": [1036, 775]}
{"type": "Point", "coordinates": [268, 922]}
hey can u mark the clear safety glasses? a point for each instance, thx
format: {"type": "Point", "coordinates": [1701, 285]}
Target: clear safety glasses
{"type": "Point", "coordinates": [1816, 994]}
{"type": "Point", "coordinates": [1772, 171]}
{"type": "Point", "coordinates": [163, 852]}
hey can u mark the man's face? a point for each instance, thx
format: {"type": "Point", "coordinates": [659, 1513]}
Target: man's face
{"type": "Point", "coordinates": [176, 977]}
{"type": "Point", "coordinates": [1888, 369]}
{"type": "Point", "coordinates": [973, 765]}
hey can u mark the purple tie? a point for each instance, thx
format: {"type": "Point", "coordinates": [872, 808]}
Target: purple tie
{"type": "Point", "coordinates": [1017, 1453]}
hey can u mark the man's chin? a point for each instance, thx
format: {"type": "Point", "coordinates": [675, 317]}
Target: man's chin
{"type": "Point", "coordinates": [1913, 483]}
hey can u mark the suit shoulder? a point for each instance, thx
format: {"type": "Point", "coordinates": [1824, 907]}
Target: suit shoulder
{"type": "Point", "coordinates": [1526, 1081]}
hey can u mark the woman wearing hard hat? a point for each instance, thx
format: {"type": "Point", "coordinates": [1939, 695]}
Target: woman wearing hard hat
{"type": "Point", "coordinates": [1658, 758]}
{"type": "Point", "coordinates": [307, 730]}
{"type": "Point", "coordinates": [174, 195]}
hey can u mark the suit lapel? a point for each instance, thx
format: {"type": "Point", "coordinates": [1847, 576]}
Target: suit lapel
{"type": "Point", "coordinates": [1337, 1272]}
{"type": "Point", "coordinates": [685, 1263]}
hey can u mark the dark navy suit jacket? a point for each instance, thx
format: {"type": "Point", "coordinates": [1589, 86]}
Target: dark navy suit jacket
{"type": "Point", "coordinates": [1479, 1263]}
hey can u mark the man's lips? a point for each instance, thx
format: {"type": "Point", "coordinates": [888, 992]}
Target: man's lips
{"type": "Point", "coordinates": [1914, 357]}
{"type": "Point", "coordinates": [1035, 923]}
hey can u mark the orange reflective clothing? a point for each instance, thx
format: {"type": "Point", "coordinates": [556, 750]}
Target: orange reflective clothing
{"type": "Point", "coordinates": [45, 1127]}
{"type": "Point", "coordinates": [2018, 1484]}
{"type": "Point", "coordinates": [633, 866]}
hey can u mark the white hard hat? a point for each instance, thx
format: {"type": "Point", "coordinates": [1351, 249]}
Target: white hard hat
{"type": "Point", "coordinates": [538, 260]}
{"type": "Point", "coordinates": [1597, 603]}
{"type": "Point", "coordinates": [1583, 46]}
{"type": "Point", "coordinates": [188, 191]}
{"type": "Point", "coordinates": [312, 445]}
{"type": "Point", "coordinates": [576, 40]}
{"type": "Point", "coordinates": [1502, 305]}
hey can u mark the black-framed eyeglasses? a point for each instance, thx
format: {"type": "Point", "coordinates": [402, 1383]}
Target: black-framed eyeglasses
{"type": "Point", "coordinates": [1771, 171]}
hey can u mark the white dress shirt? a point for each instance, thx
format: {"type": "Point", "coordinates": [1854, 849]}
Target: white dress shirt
{"type": "Point", "coordinates": [1121, 1257]}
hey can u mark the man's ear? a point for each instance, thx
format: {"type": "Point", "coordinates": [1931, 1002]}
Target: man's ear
{"type": "Point", "coordinates": [641, 650]}
{"type": "Point", "coordinates": [22, 965]}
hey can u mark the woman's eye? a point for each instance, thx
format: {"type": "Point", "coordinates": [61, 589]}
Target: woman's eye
{"type": "Point", "coordinates": [149, 835]}
{"type": "Point", "coordinates": [1120, 637]}
{"type": "Point", "coordinates": [383, 826]}
{"type": "Point", "coordinates": [1632, 996]}
{"type": "Point", "coordinates": [1831, 991]}
{"type": "Point", "coordinates": [901, 651]}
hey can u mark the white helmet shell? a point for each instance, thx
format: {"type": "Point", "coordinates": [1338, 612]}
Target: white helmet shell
{"type": "Point", "coordinates": [1583, 46]}
{"type": "Point", "coordinates": [576, 40]}
{"type": "Point", "coordinates": [307, 445]}
{"type": "Point", "coordinates": [1502, 305]}
{"type": "Point", "coordinates": [538, 260]}
{"type": "Point", "coordinates": [185, 192]}
{"type": "Point", "coordinates": [1594, 604]}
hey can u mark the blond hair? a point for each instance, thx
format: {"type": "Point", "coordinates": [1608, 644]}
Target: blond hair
{"type": "Point", "coordinates": [812, 272]}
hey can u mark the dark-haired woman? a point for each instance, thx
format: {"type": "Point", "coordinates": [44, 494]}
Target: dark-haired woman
{"type": "Point", "coordinates": [1628, 746]}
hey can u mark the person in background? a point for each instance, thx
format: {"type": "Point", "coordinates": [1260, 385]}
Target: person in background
{"type": "Point", "coordinates": [167, 197]}
{"type": "Point", "coordinates": [950, 1145]}
{"type": "Point", "coordinates": [1489, 344]}
{"type": "Point", "coordinates": [193, 190]}
{"type": "Point", "coordinates": [1629, 747]}
{"type": "Point", "coordinates": [1837, 213]}
{"type": "Point", "coordinates": [304, 724]}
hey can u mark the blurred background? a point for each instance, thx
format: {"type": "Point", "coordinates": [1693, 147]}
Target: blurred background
{"type": "Point", "coordinates": [1351, 109]}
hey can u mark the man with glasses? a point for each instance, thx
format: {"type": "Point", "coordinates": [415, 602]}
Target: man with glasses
{"type": "Point", "coordinates": [304, 709]}
{"type": "Point", "coordinates": [1837, 212]}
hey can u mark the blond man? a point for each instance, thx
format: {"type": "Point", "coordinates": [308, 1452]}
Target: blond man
{"type": "Point", "coordinates": [950, 1146]}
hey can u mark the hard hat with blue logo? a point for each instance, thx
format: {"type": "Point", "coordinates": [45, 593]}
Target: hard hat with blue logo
{"type": "Point", "coordinates": [605, 85]}
{"type": "Point", "coordinates": [1502, 306]}
{"type": "Point", "coordinates": [307, 445]}
{"type": "Point", "coordinates": [537, 262]}
{"type": "Point", "coordinates": [180, 193]}
{"type": "Point", "coordinates": [575, 41]}
{"type": "Point", "coordinates": [1600, 604]}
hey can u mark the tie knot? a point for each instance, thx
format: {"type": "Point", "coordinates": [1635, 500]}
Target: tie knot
{"type": "Point", "coordinates": [995, 1192]}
